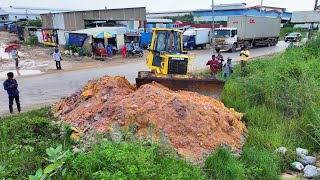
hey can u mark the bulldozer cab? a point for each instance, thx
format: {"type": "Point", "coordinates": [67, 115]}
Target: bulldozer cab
{"type": "Point", "coordinates": [166, 51]}
{"type": "Point", "coordinates": [169, 66]}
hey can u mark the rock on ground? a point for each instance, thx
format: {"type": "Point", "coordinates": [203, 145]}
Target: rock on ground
{"type": "Point", "coordinates": [192, 124]}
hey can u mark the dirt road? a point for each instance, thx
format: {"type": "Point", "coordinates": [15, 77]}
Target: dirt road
{"type": "Point", "coordinates": [45, 89]}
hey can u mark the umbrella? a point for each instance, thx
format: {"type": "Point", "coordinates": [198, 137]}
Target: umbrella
{"type": "Point", "coordinates": [10, 47]}
{"type": "Point", "coordinates": [103, 35]}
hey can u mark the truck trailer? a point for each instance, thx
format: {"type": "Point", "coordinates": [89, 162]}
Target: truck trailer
{"type": "Point", "coordinates": [248, 31]}
{"type": "Point", "coordinates": [197, 37]}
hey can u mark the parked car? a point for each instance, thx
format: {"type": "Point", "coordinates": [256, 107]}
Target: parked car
{"type": "Point", "coordinates": [293, 37]}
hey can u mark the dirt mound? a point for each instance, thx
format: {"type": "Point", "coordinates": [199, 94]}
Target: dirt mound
{"type": "Point", "coordinates": [191, 123]}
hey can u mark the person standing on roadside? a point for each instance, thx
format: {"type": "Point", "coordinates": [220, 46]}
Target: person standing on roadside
{"type": "Point", "coordinates": [124, 51]}
{"type": "Point", "coordinates": [15, 56]}
{"type": "Point", "coordinates": [220, 58]}
{"type": "Point", "coordinates": [214, 66]}
{"type": "Point", "coordinates": [57, 58]}
{"type": "Point", "coordinates": [11, 86]}
{"type": "Point", "coordinates": [244, 56]}
{"type": "Point", "coordinates": [228, 69]}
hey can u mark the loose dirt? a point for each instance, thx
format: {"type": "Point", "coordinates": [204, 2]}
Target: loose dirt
{"type": "Point", "coordinates": [192, 124]}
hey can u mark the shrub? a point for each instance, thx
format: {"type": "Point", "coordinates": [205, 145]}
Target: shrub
{"type": "Point", "coordinates": [36, 23]}
{"type": "Point", "coordinates": [32, 40]}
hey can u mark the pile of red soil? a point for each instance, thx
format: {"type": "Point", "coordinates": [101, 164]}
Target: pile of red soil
{"type": "Point", "coordinates": [192, 124]}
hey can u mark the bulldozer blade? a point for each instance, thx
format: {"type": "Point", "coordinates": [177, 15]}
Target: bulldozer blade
{"type": "Point", "coordinates": [207, 86]}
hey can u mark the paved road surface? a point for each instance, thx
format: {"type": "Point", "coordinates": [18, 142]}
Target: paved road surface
{"type": "Point", "coordinates": [46, 89]}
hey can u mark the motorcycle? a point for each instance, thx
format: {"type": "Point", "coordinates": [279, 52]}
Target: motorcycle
{"type": "Point", "coordinates": [135, 53]}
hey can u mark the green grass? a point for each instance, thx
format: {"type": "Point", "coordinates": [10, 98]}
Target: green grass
{"type": "Point", "coordinates": [222, 165]}
{"type": "Point", "coordinates": [24, 139]}
{"type": "Point", "coordinates": [131, 161]}
{"type": "Point", "coordinates": [280, 97]}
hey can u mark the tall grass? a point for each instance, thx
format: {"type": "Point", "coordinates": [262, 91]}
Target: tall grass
{"type": "Point", "coordinates": [23, 142]}
{"type": "Point", "coordinates": [24, 139]}
{"type": "Point", "coordinates": [222, 165]}
{"type": "Point", "coordinates": [281, 98]}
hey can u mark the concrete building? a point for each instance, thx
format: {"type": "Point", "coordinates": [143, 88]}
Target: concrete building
{"type": "Point", "coordinates": [14, 13]}
{"type": "Point", "coordinates": [223, 11]}
{"type": "Point", "coordinates": [54, 25]}
{"type": "Point", "coordinates": [132, 18]}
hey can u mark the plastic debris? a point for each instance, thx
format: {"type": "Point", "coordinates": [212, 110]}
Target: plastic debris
{"type": "Point", "coordinates": [310, 171]}
{"type": "Point", "coordinates": [282, 150]}
{"type": "Point", "coordinates": [308, 160]}
{"type": "Point", "coordinates": [301, 152]}
{"type": "Point", "coordinates": [297, 166]}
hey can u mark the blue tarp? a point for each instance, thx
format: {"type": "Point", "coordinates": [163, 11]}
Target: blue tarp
{"type": "Point", "coordinates": [77, 39]}
{"type": "Point", "coordinates": [145, 38]}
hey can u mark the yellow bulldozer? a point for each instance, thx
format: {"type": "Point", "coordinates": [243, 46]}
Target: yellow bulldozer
{"type": "Point", "coordinates": [170, 66]}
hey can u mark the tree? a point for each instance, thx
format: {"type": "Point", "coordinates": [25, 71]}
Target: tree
{"type": "Point", "coordinates": [36, 23]}
{"type": "Point", "coordinates": [185, 18]}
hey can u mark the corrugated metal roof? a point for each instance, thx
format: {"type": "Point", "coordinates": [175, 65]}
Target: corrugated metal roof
{"type": "Point", "coordinates": [97, 30]}
{"type": "Point", "coordinates": [24, 11]}
{"type": "Point", "coordinates": [216, 7]}
{"type": "Point", "coordinates": [159, 21]}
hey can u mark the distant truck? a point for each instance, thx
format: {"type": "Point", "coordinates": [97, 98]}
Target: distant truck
{"type": "Point", "coordinates": [248, 31]}
{"type": "Point", "coordinates": [198, 37]}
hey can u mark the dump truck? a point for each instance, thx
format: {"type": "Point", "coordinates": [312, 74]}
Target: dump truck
{"type": "Point", "coordinates": [169, 66]}
{"type": "Point", "coordinates": [197, 37]}
{"type": "Point", "coordinates": [248, 31]}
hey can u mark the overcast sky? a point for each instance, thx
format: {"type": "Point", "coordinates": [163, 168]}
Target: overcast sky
{"type": "Point", "coordinates": [155, 5]}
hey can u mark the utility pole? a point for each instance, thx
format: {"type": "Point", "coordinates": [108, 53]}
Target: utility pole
{"type": "Point", "coordinates": [311, 26]}
{"type": "Point", "coordinates": [261, 7]}
{"type": "Point", "coordinates": [213, 39]}
{"type": "Point", "coordinates": [316, 5]}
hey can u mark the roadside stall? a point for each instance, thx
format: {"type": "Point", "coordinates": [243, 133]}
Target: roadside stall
{"type": "Point", "coordinates": [50, 37]}
{"type": "Point", "coordinates": [105, 42]}
{"type": "Point", "coordinates": [132, 36]}
{"type": "Point", "coordinates": [107, 38]}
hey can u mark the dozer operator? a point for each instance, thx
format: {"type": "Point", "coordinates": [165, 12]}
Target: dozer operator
{"type": "Point", "coordinates": [169, 66]}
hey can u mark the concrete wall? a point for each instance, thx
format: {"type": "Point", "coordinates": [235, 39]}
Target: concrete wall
{"type": "Point", "coordinates": [73, 21]}
{"type": "Point", "coordinates": [47, 21]}
{"type": "Point", "coordinates": [58, 21]}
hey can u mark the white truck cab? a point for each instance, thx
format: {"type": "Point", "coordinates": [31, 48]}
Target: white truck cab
{"type": "Point", "coordinates": [226, 38]}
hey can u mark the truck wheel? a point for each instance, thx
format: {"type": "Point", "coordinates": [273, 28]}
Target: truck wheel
{"type": "Point", "coordinates": [203, 46]}
{"type": "Point", "coordinates": [234, 48]}
{"type": "Point", "coordinates": [247, 44]}
{"type": "Point", "coordinates": [269, 43]}
{"type": "Point", "coordinates": [191, 48]}
{"type": "Point", "coordinates": [274, 42]}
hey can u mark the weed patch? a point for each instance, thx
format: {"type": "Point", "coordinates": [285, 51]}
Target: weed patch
{"type": "Point", "coordinates": [32, 146]}
{"type": "Point", "coordinates": [280, 97]}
